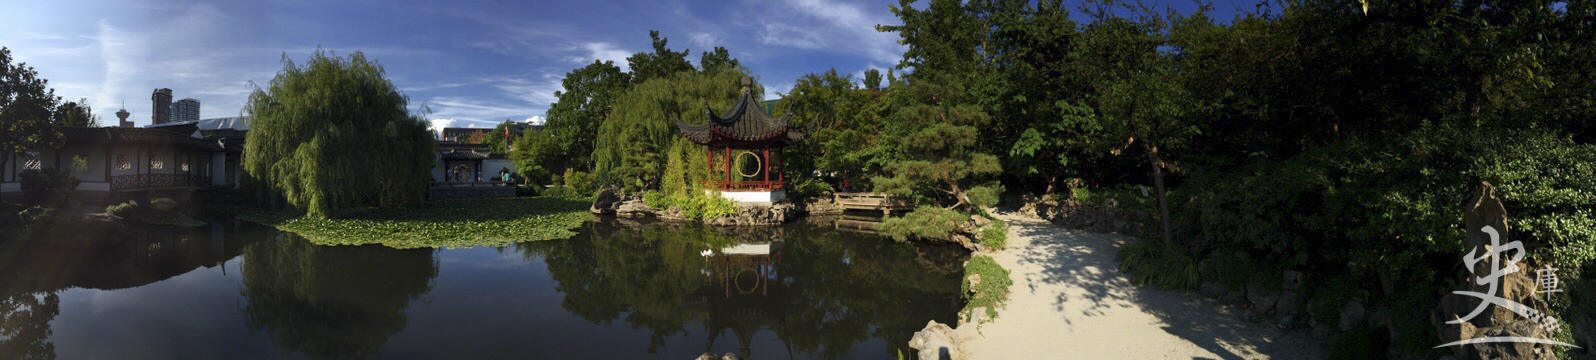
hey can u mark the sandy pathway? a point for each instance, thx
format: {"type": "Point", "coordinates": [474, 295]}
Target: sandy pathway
{"type": "Point", "coordinates": [1070, 301]}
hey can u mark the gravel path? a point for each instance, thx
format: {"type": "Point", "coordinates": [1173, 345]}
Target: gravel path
{"type": "Point", "coordinates": [1070, 301]}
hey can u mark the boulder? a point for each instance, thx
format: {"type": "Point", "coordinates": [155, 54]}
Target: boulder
{"type": "Point", "coordinates": [1290, 304]}
{"type": "Point", "coordinates": [1212, 289]}
{"type": "Point", "coordinates": [1262, 298]}
{"type": "Point", "coordinates": [936, 341]}
{"type": "Point", "coordinates": [1352, 316]}
{"type": "Point", "coordinates": [163, 204]}
{"type": "Point", "coordinates": [1291, 280]}
{"type": "Point", "coordinates": [634, 208]}
{"type": "Point", "coordinates": [1509, 350]}
{"type": "Point", "coordinates": [605, 202]}
{"type": "Point", "coordinates": [980, 221]}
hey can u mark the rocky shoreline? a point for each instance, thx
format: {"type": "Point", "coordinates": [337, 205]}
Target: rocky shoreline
{"type": "Point", "coordinates": [609, 203]}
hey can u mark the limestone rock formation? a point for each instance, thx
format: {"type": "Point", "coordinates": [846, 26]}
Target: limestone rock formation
{"type": "Point", "coordinates": [936, 341]}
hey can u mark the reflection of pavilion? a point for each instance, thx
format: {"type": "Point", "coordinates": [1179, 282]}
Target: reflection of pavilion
{"type": "Point", "coordinates": [759, 260]}
{"type": "Point", "coordinates": [748, 300]}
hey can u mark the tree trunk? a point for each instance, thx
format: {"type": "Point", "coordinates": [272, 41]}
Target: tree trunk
{"type": "Point", "coordinates": [1163, 203]}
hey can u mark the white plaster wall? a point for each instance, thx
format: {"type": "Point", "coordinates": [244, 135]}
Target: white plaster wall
{"type": "Point", "coordinates": [10, 187]}
{"type": "Point", "coordinates": [218, 169]}
{"type": "Point", "coordinates": [94, 186]}
{"type": "Point", "coordinates": [437, 168]}
{"type": "Point", "coordinates": [491, 167]}
{"type": "Point", "coordinates": [96, 167]}
{"type": "Point", "coordinates": [755, 196]}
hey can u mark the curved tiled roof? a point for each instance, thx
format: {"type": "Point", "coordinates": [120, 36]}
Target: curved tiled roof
{"type": "Point", "coordinates": [172, 135]}
{"type": "Point", "coordinates": [745, 121]}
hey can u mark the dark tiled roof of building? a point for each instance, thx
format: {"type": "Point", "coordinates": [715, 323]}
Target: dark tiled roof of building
{"type": "Point", "coordinates": [169, 135]}
{"type": "Point", "coordinates": [745, 121]}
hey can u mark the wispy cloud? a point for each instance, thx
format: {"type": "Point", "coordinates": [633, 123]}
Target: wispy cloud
{"type": "Point", "coordinates": [603, 51]}
{"type": "Point", "coordinates": [834, 26]}
{"type": "Point", "coordinates": [706, 40]}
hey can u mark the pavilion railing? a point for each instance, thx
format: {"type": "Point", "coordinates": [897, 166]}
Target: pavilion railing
{"type": "Point", "coordinates": [467, 184]}
{"type": "Point", "coordinates": [743, 185]}
{"type": "Point", "coordinates": [127, 182]}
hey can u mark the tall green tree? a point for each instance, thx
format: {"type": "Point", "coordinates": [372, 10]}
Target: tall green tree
{"type": "Point", "coordinates": [76, 114]}
{"type": "Point", "coordinates": [27, 105]}
{"type": "Point", "coordinates": [718, 58]}
{"type": "Point", "coordinates": [537, 156]}
{"type": "Point", "coordinates": [872, 79]}
{"type": "Point", "coordinates": [845, 122]}
{"type": "Point", "coordinates": [934, 138]}
{"type": "Point", "coordinates": [574, 117]}
{"type": "Point", "coordinates": [661, 63]}
{"type": "Point", "coordinates": [500, 138]}
{"type": "Point", "coordinates": [633, 142]}
{"type": "Point", "coordinates": [311, 122]}
{"type": "Point", "coordinates": [1151, 111]}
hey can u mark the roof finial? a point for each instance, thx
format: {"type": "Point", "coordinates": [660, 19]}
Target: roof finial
{"type": "Point", "coordinates": [748, 83]}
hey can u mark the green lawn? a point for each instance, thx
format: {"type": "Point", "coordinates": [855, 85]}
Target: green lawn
{"type": "Point", "coordinates": [451, 223]}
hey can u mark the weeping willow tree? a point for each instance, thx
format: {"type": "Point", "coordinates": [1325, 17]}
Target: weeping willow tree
{"type": "Point", "coordinates": [335, 134]}
{"type": "Point", "coordinates": [636, 143]}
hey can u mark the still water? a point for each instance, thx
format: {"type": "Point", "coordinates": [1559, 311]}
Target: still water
{"type": "Point", "coordinates": [617, 290]}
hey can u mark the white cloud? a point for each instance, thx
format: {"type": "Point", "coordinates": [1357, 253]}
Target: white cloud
{"type": "Point", "coordinates": [535, 120]}
{"type": "Point", "coordinates": [842, 27]}
{"type": "Point", "coordinates": [439, 124]}
{"type": "Point", "coordinates": [706, 41]}
{"type": "Point", "coordinates": [603, 51]}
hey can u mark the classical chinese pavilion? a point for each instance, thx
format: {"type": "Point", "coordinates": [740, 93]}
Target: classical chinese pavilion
{"type": "Point", "coordinates": [744, 152]}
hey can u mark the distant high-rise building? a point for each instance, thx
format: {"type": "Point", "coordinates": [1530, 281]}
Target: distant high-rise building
{"type": "Point", "coordinates": [162, 106]}
{"type": "Point", "coordinates": [185, 110]}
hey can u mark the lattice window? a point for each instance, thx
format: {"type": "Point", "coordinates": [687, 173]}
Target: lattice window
{"type": "Point", "coordinates": [156, 163]}
{"type": "Point", "coordinates": [183, 167]}
{"type": "Point", "coordinates": [80, 162]}
{"type": "Point", "coordinates": [30, 161]}
{"type": "Point", "coordinates": [122, 162]}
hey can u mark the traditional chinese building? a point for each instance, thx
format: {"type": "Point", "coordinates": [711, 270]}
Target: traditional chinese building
{"type": "Point", "coordinates": [112, 160]}
{"type": "Point", "coordinates": [744, 149]}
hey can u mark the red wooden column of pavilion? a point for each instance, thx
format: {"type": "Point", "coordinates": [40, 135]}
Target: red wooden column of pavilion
{"type": "Point", "coordinates": [747, 129]}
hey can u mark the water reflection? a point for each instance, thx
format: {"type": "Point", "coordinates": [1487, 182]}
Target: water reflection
{"type": "Point", "coordinates": [37, 266]}
{"type": "Point", "coordinates": [332, 301]}
{"type": "Point", "coordinates": [819, 290]}
{"type": "Point", "coordinates": [618, 289]}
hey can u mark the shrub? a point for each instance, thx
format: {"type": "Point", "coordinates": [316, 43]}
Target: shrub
{"type": "Point", "coordinates": [985, 196]}
{"type": "Point", "coordinates": [654, 199]}
{"type": "Point", "coordinates": [992, 290]}
{"type": "Point", "coordinates": [1393, 207]}
{"type": "Point", "coordinates": [925, 222]}
{"type": "Point", "coordinates": [995, 236]}
{"type": "Point", "coordinates": [558, 191]}
{"type": "Point", "coordinates": [46, 182]}
{"type": "Point", "coordinates": [708, 206]}
{"type": "Point", "coordinates": [527, 190]}
{"type": "Point", "coordinates": [809, 188]}
{"type": "Point", "coordinates": [122, 210]}
{"type": "Point", "coordinates": [579, 182]}
{"type": "Point", "coordinates": [1151, 262]}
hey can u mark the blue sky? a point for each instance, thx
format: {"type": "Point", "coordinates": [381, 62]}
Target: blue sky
{"type": "Point", "coordinates": [472, 62]}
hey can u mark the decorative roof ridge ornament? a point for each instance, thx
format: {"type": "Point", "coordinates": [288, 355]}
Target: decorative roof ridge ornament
{"type": "Point", "coordinates": [748, 84]}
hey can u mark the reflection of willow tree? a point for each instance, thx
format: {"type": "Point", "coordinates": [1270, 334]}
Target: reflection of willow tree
{"type": "Point", "coordinates": [332, 301]}
{"type": "Point", "coordinates": [25, 325]}
{"type": "Point", "coordinates": [817, 302]}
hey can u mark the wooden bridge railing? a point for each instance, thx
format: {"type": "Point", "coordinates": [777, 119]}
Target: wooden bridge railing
{"type": "Point", "coordinates": [885, 203]}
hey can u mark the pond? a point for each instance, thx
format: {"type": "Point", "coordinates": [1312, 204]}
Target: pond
{"type": "Point", "coordinates": [618, 290]}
